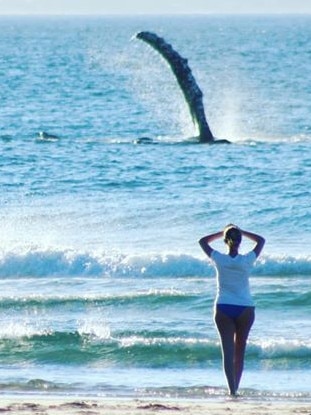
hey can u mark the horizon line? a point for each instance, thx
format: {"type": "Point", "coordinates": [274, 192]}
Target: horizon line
{"type": "Point", "coordinates": [139, 14]}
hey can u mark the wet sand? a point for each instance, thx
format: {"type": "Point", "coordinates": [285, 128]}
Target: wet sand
{"type": "Point", "coordinates": [119, 406]}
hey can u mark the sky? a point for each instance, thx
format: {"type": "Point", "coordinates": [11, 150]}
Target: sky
{"type": "Point", "coordinates": [152, 6]}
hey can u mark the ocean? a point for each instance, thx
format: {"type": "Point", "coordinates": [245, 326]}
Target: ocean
{"type": "Point", "coordinates": [104, 290]}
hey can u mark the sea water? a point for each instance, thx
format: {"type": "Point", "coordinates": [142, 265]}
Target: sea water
{"type": "Point", "coordinates": [104, 289]}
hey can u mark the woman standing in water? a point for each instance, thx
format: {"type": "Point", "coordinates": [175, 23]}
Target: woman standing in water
{"type": "Point", "coordinates": [234, 306]}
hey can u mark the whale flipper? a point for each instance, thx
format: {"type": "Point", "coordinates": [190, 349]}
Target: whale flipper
{"type": "Point", "coordinates": [186, 81]}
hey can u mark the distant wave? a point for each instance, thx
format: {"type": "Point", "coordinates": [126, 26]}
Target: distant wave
{"type": "Point", "coordinates": [47, 263]}
{"type": "Point", "coordinates": [159, 297]}
{"type": "Point", "coordinates": [192, 300]}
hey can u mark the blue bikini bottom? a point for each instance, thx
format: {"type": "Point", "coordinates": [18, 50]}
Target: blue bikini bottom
{"type": "Point", "coordinates": [231, 310]}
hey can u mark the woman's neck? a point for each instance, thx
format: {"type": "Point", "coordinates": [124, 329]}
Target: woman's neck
{"type": "Point", "coordinates": [233, 252]}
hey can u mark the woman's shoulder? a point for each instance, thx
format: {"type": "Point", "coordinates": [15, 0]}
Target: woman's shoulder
{"type": "Point", "coordinates": [250, 256]}
{"type": "Point", "coordinates": [217, 254]}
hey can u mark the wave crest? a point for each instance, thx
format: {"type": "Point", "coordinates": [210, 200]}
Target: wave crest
{"type": "Point", "coordinates": [45, 263]}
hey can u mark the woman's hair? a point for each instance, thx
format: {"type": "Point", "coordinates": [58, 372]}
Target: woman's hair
{"type": "Point", "coordinates": [232, 235]}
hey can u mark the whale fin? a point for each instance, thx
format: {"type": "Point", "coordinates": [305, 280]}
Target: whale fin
{"type": "Point", "coordinates": [44, 136]}
{"type": "Point", "coordinates": [186, 81]}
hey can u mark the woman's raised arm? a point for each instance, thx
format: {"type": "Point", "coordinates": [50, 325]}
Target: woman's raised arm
{"type": "Point", "coordinates": [259, 241]}
{"type": "Point", "coordinates": [206, 240]}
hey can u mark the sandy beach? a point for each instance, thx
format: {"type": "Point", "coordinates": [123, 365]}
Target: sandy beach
{"type": "Point", "coordinates": [72, 405]}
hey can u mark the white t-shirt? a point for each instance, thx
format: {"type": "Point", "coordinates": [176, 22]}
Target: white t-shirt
{"type": "Point", "coordinates": [233, 278]}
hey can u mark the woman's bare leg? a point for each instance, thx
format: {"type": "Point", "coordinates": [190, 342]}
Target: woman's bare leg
{"type": "Point", "coordinates": [243, 325]}
{"type": "Point", "coordinates": [226, 329]}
